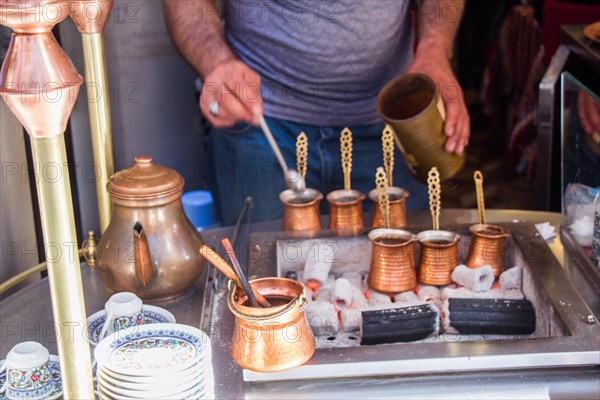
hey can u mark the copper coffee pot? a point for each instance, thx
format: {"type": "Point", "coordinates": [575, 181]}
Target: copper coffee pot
{"type": "Point", "coordinates": [439, 248]}
{"type": "Point", "coordinates": [301, 210]}
{"type": "Point", "coordinates": [488, 245]}
{"type": "Point", "coordinates": [392, 261]}
{"type": "Point", "coordinates": [346, 205]}
{"type": "Point", "coordinates": [393, 257]}
{"type": "Point", "coordinates": [488, 242]}
{"type": "Point", "coordinates": [397, 215]}
{"type": "Point", "coordinates": [301, 207]}
{"type": "Point", "coordinates": [397, 196]}
{"type": "Point", "coordinates": [271, 339]}
{"type": "Point", "coordinates": [150, 248]}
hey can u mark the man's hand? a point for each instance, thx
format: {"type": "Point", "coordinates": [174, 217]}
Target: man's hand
{"type": "Point", "coordinates": [235, 88]}
{"type": "Point", "coordinates": [437, 28]}
{"type": "Point", "coordinates": [229, 84]}
{"type": "Point", "coordinates": [457, 126]}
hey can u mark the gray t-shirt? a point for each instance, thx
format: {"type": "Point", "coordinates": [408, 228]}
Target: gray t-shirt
{"type": "Point", "coordinates": [322, 62]}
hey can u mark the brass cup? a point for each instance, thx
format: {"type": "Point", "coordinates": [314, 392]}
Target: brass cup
{"type": "Point", "coordinates": [271, 339]}
{"type": "Point", "coordinates": [397, 216]}
{"type": "Point", "coordinates": [301, 210]}
{"type": "Point", "coordinates": [488, 244]}
{"type": "Point", "coordinates": [392, 260]}
{"type": "Point", "coordinates": [438, 260]}
{"type": "Point", "coordinates": [346, 209]}
{"type": "Point", "coordinates": [409, 104]}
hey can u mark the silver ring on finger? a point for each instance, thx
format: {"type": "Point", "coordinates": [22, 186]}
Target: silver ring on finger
{"type": "Point", "coordinates": [213, 108]}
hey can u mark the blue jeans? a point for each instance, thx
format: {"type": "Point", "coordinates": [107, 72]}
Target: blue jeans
{"type": "Point", "coordinates": [241, 163]}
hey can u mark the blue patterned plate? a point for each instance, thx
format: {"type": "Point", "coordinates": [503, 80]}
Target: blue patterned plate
{"type": "Point", "coordinates": [151, 350]}
{"type": "Point", "coordinates": [31, 394]}
{"type": "Point", "coordinates": [152, 315]}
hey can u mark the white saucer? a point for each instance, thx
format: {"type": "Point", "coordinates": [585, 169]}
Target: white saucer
{"type": "Point", "coordinates": [169, 391]}
{"type": "Point", "coordinates": [152, 315]}
{"type": "Point", "coordinates": [56, 382]}
{"type": "Point", "coordinates": [203, 368]}
{"type": "Point", "coordinates": [152, 350]}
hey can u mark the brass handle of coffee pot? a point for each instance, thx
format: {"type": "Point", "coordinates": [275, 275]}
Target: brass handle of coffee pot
{"type": "Point", "coordinates": [383, 197]}
{"type": "Point", "coordinates": [387, 144]}
{"type": "Point", "coordinates": [144, 270]}
{"type": "Point", "coordinates": [433, 182]}
{"type": "Point", "coordinates": [478, 178]}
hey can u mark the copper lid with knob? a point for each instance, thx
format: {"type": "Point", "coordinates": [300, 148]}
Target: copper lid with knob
{"type": "Point", "coordinates": [147, 182]}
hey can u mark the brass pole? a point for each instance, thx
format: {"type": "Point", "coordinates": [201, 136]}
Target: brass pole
{"type": "Point", "coordinates": [64, 271]}
{"type": "Point", "coordinates": [100, 119]}
{"type": "Point", "coordinates": [90, 18]}
{"type": "Point", "coordinates": [40, 84]}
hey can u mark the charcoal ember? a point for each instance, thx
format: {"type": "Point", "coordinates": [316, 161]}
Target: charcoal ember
{"type": "Point", "coordinates": [405, 296]}
{"type": "Point", "coordinates": [491, 316]}
{"type": "Point", "coordinates": [351, 319]}
{"type": "Point", "coordinates": [511, 278]}
{"type": "Point", "coordinates": [342, 293]}
{"type": "Point", "coordinates": [476, 279]}
{"type": "Point", "coordinates": [376, 297]}
{"type": "Point", "coordinates": [355, 278]}
{"type": "Point", "coordinates": [322, 318]}
{"type": "Point", "coordinates": [404, 324]}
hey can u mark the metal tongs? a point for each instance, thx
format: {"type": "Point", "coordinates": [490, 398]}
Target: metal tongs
{"type": "Point", "coordinates": [293, 179]}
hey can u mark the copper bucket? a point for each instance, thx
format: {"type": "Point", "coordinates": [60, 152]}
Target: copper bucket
{"type": "Point", "coordinates": [392, 260]}
{"type": "Point", "coordinates": [397, 215]}
{"type": "Point", "coordinates": [439, 257]}
{"type": "Point", "coordinates": [488, 244]}
{"type": "Point", "coordinates": [271, 339]}
{"type": "Point", "coordinates": [409, 103]}
{"type": "Point", "coordinates": [346, 209]}
{"type": "Point", "coordinates": [301, 210]}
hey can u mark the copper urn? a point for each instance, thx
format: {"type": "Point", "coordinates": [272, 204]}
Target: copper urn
{"type": "Point", "coordinates": [271, 339]}
{"type": "Point", "coordinates": [150, 247]}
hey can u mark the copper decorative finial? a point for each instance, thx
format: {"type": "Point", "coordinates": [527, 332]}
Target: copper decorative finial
{"type": "Point", "coordinates": [39, 83]}
{"type": "Point", "coordinates": [90, 16]}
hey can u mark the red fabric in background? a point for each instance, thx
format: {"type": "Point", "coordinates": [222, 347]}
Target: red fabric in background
{"type": "Point", "coordinates": [557, 13]}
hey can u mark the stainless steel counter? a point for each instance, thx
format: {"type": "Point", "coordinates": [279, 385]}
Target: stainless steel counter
{"type": "Point", "coordinates": [27, 315]}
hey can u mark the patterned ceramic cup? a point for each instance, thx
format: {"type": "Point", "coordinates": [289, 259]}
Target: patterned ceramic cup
{"type": "Point", "coordinates": [27, 372]}
{"type": "Point", "coordinates": [123, 310]}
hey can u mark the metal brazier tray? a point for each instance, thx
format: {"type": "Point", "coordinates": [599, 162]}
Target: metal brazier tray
{"type": "Point", "coordinates": [566, 333]}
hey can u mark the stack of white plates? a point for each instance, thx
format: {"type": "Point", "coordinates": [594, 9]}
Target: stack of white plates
{"type": "Point", "coordinates": [158, 361]}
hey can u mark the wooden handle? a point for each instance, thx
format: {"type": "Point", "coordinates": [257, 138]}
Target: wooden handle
{"type": "Point", "coordinates": [227, 269]}
{"type": "Point", "coordinates": [219, 263]}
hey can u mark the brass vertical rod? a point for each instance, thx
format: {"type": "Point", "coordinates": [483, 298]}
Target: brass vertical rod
{"type": "Point", "coordinates": [64, 271]}
{"type": "Point", "coordinates": [100, 119]}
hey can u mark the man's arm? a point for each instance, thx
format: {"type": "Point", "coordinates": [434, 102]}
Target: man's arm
{"type": "Point", "coordinates": [197, 31]}
{"type": "Point", "coordinates": [438, 22]}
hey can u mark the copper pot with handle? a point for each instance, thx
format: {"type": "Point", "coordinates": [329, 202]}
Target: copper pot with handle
{"type": "Point", "coordinates": [150, 247]}
{"type": "Point", "coordinates": [271, 339]}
